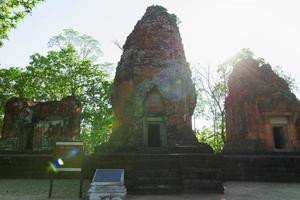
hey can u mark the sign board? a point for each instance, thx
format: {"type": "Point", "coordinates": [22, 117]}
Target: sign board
{"type": "Point", "coordinates": [109, 177]}
{"type": "Point", "coordinates": [68, 156]}
{"type": "Point", "coordinates": [108, 184]}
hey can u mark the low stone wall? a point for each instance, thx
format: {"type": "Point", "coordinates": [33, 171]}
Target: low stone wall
{"type": "Point", "coordinates": [109, 161]}
{"type": "Point", "coordinates": [270, 168]}
{"type": "Point", "coordinates": [190, 167]}
{"type": "Point", "coordinates": [15, 165]}
{"type": "Point", "coordinates": [178, 172]}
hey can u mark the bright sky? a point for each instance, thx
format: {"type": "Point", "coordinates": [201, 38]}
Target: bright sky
{"type": "Point", "coordinates": [211, 30]}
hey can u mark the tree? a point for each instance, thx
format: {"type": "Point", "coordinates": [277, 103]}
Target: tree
{"type": "Point", "coordinates": [12, 82]}
{"type": "Point", "coordinates": [287, 77]}
{"type": "Point", "coordinates": [11, 12]}
{"type": "Point", "coordinates": [213, 93]}
{"type": "Point", "coordinates": [213, 89]}
{"type": "Point", "coordinates": [206, 135]}
{"type": "Point", "coordinates": [62, 73]}
{"type": "Point", "coordinates": [89, 81]}
{"type": "Point", "coordinates": [87, 47]}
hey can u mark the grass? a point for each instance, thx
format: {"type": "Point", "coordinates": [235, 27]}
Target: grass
{"type": "Point", "coordinates": [38, 189]}
{"type": "Point", "coordinates": [31, 189]}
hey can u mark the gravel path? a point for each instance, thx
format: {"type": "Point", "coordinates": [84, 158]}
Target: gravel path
{"type": "Point", "coordinates": [28, 189]}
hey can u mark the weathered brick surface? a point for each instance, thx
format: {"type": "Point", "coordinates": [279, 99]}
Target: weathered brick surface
{"type": "Point", "coordinates": [37, 125]}
{"type": "Point", "coordinates": [153, 65]}
{"type": "Point", "coordinates": [270, 168]}
{"type": "Point", "coordinates": [15, 165]}
{"type": "Point", "coordinates": [256, 95]}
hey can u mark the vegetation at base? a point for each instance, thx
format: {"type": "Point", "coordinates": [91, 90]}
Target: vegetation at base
{"type": "Point", "coordinates": [206, 135]}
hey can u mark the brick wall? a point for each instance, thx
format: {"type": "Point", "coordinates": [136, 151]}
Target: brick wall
{"type": "Point", "coordinates": [273, 168]}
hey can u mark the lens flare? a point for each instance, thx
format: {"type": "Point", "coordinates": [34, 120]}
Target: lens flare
{"type": "Point", "coordinates": [72, 153]}
{"type": "Point", "coordinates": [52, 167]}
{"type": "Point", "coordinates": [60, 162]}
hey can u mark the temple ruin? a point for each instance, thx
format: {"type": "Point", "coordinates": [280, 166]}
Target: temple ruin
{"type": "Point", "coordinates": [36, 126]}
{"type": "Point", "coordinates": [262, 114]}
{"type": "Point", "coordinates": [153, 95]}
{"type": "Point", "coordinates": [153, 98]}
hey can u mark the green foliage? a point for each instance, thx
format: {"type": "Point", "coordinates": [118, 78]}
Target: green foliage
{"type": "Point", "coordinates": [211, 94]}
{"type": "Point", "coordinates": [12, 82]}
{"type": "Point", "coordinates": [63, 73]}
{"type": "Point", "coordinates": [286, 77]}
{"type": "Point", "coordinates": [87, 47]}
{"type": "Point", "coordinates": [212, 90]}
{"type": "Point", "coordinates": [11, 12]}
{"type": "Point", "coordinates": [175, 19]}
{"type": "Point", "coordinates": [207, 136]}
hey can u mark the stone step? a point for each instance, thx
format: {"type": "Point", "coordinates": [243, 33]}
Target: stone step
{"type": "Point", "coordinates": [156, 164]}
{"type": "Point", "coordinates": [146, 156]}
{"type": "Point", "coordinates": [157, 173]}
{"type": "Point", "coordinates": [152, 150]}
{"type": "Point", "coordinates": [147, 181]}
{"type": "Point", "coordinates": [157, 189]}
{"type": "Point", "coordinates": [156, 160]}
{"type": "Point", "coordinates": [202, 173]}
{"type": "Point", "coordinates": [208, 186]}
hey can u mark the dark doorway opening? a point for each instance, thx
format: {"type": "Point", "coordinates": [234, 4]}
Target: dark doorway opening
{"type": "Point", "coordinates": [279, 137]}
{"type": "Point", "coordinates": [154, 135]}
{"type": "Point", "coordinates": [29, 139]}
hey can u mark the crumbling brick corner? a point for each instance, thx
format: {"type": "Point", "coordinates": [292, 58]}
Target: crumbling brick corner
{"type": "Point", "coordinates": [30, 125]}
{"type": "Point", "coordinates": [262, 114]}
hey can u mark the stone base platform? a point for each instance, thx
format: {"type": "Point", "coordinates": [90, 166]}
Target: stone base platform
{"type": "Point", "coordinates": [164, 173]}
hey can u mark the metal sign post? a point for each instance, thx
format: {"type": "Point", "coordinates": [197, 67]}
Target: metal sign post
{"type": "Point", "coordinates": [67, 158]}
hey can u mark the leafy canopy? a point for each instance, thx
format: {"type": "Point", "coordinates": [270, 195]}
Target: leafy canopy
{"type": "Point", "coordinates": [61, 73]}
{"type": "Point", "coordinates": [86, 46]}
{"type": "Point", "coordinates": [11, 12]}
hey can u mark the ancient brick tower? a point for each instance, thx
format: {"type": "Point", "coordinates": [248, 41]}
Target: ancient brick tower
{"type": "Point", "coordinates": [153, 95]}
{"type": "Point", "coordinates": [262, 114]}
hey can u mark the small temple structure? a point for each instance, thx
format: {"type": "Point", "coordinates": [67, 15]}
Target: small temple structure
{"type": "Point", "coordinates": [36, 126]}
{"type": "Point", "coordinates": [262, 114]}
{"type": "Point", "coordinates": [153, 95]}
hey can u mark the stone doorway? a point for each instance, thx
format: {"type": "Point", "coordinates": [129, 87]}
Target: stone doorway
{"type": "Point", "coordinates": [280, 132]}
{"type": "Point", "coordinates": [29, 140]}
{"type": "Point", "coordinates": [154, 135]}
{"type": "Point", "coordinates": [154, 132]}
{"type": "Point", "coordinates": [280, 137]}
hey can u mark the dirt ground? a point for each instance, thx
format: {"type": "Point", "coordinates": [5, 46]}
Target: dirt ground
{"type": "Point", "coordinates": [28, 189]}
